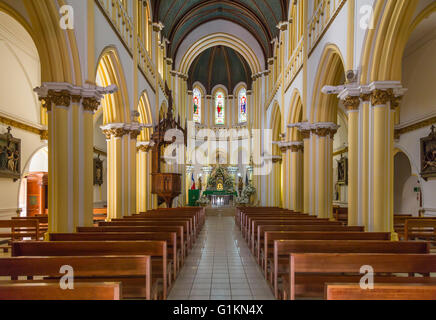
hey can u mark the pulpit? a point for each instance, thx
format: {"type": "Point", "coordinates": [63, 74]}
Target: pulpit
{"type": "Point", "coordinates": [168, 186]}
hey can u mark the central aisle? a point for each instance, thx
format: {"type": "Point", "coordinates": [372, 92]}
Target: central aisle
{"type": "Point", "coordinates": [220, 267]}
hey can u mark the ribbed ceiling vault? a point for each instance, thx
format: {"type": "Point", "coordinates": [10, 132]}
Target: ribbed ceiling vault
{"type": "Point", "coordinates": [259, 17]}
{"type": "Point", "coordinates": [219, 65]}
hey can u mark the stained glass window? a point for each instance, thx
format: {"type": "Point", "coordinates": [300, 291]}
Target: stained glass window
{"type": "Point", "coordinates": [197, 106]}
{"type": "Point", "coordinates": [242, 105]}
{"type": "Point", "coordinates": [219, 108]}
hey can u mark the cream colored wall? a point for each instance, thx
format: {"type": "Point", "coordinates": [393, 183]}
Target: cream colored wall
{"type": "Point", "coordinates": [20, 74]}
{"type": "Point", "coordinates": [419, 103]}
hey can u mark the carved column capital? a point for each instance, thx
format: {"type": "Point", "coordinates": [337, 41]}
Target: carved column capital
{"type": "Point", "coordinates": [324, 129]}
{"type": "Point", "coordinates": [352, 103]}
{"type": "Point", "coordinates": [380, 97]}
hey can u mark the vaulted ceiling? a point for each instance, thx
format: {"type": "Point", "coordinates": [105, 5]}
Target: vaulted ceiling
{"type": "Point", "coordinates": [220, 65]}
{"type": "Point", "coordinates": [259, 17]}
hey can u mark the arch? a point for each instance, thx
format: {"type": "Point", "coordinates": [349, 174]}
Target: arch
{"type": "Point", "coordinates": [295, 115]}
{"type": "Point", "coordinates": [276, 126]}
{"type": "Point", "coordinates": [330, 72]}
{"type": "Point", "coordinates": [384, 46]}
{"type": "Point", "coordinates": [115, 106]}
{"type": "Point", "coordinates": [217, 39]}
{"type": "Point", "coordinates": [57, 48]}
{"type": "Point", "coordinates": [405, 200]}
{"type": "Point", "coordinates": [145, 116]}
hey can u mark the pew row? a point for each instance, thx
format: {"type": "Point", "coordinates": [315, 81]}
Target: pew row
{"type": "Point", "coordinates": [133, 272]}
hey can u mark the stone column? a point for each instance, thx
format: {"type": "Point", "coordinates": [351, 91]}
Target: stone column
{"type": "Point", "coordinates": [384, 98]}
{"type": "Point", "coordinates": [324, 184]}
{"type": "Point", "coordinates": [305, 133]}
{"type": "Point", "coordinates": [352, 104]}
{"type": "Point", "coordinates": [70, 146]}
{"type": "Point", "coordinates": [143, 186]}
{"type": "Point", "coordinates": [296, 176]}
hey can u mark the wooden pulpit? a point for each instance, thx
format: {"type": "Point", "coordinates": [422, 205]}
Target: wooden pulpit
{"type": "Point", "coordinates": [167, 186]}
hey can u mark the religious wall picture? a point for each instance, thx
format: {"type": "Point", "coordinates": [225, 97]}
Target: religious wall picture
{"type": "Point", "coordinates": [98, 171]}
{"type": "Point", "coordinates": [10, 156]}
{"type": "Point", "coordinates": [428, 155]}
{"type": "Point", "coordinates": [343, 170]}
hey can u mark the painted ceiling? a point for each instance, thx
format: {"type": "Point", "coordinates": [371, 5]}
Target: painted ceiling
{"type": "Point", "coordinates": [219, 65]}
{"type": "Point", "coordinates": [259, 17]}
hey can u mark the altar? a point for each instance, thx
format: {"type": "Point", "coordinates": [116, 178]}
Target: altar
{"type": "Point", "coordinates": [220, 188]}
{"type": "Point", "coordinates": [220, 198]}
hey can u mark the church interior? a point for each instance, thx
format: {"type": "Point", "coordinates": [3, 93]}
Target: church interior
{"type": "Point", "coordinates": [220, 150]}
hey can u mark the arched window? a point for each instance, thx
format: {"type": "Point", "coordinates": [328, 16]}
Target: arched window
{"type": "Point", "coordinates": [242, 101]}
{"type": "Point", "coordinates": [219, 108]}
{"type": "Point", "coordinates": [197, 106]}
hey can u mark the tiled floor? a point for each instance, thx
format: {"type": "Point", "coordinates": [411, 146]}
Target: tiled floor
{"type": "Point", "coordinates": [220, 267]}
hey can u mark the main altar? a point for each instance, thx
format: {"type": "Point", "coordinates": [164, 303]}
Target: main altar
{"type": "Point", "coordinates": [220, 188]}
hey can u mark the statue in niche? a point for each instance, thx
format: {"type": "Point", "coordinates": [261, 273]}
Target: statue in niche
{"type": "Point", "coordinates": [200, 184]}
{"type": "Point", "coordinates": [428, 155]}
{"type": "Point", "coordinates": [10, 156]}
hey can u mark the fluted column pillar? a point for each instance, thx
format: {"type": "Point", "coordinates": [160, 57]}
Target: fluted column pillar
{"type": "Point", "coordinates": [70, 147]}
{"type": "Point", "coordinates": [297, 172]}
{"type": "Point", "coordinates": [323, 182]}
{"type": "Point", "coordinates": [143, 186]}
{"type": "Point", "coordinates": [384, 98]}
{"type": "Point", "coordinates": [352, 104]}
{"type": "Point", "coordinates": [305, 133]}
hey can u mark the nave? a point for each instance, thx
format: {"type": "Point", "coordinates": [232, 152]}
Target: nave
{"type": "Point", "coordinates": [220, 267]}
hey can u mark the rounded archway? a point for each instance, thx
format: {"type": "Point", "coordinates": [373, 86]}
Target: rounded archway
{"type": "Point", "coordinates": [407, 192]}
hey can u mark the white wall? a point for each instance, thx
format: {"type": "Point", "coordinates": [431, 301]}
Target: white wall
{"type": "Point", "coordinates": [20, 74]}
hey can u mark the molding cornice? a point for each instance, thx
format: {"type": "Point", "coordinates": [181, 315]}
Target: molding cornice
{"type": "Point", "coordinates": [19, 124]}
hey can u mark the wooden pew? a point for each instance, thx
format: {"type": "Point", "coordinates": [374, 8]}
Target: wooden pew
{"type": "Point", "coordinates": [191, 220]}
{"type": "Point", "coordinates": [252, 220]}
{"type": "Point", "coordinates": [240, 214]}
{"type": "Point", "coordinates": [52, 291]}
{"type": "Point", "coordinates": [177, 229]}
{"type": "Point", "coordinates": [381, 291]}
{"type": "Point", "coordinates": [134, 272]}
{"type": "Point", "coordinates": [246, 218]}
{"type": "Point", "coordinates": [266, 254]}
{"type": "Point", "coordinates": [169, 237]}
{"type": "Point", "coordinates": [282, 249]}
{"type": "Point", "coordinates": [21, 228]}
{"type": "Point", "coordinates": [422, 228]}
{"type": "Point", "coordinates": [261, 228]}
{"type": "Point", "coordinates": [299, 222]}
{"type": "Point", "coordinates": [156, 249]}
{"type": "Point", "coordinates": [99, 214]}
{"type": "Point", "coordinates": [309, 272]}
{"type": "Point", "coordinates": [185, 224]}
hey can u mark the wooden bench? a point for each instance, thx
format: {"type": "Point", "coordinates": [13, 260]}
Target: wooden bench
{"type": "Point", "coordinates": [52, 291]}
{"type": "Point", "coordinates": [282, 249]}
{"type": "Point", "coordinates": [270, 236]}
{"type": "Point", "coordinates": [281, 255]}
{"type": "Point", "coordinates": [99, 214]}
{"type": "Point", "coordinates": [299, 222]}
{"type": "Point", "coordinates": [156, 249]}
{"type": "Point", "coordinates": [381, 291]}
{"type": "Point", "coordinates": [20, 229]}
{"type": "Point", "coordinates": [185, 224]}
{"type": "Point", "coordinates": [261, 228]}
{"type": "Point", "coordinates": [134, 272]}
{"type": "Point", "coordinates": [169, 237]}
{"type": "Point", "coordinates": [177, 229]}
{"type": "Point", "coordinates": [309, 272]}
{"type": "Point", "coordinates": [422, 228]}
